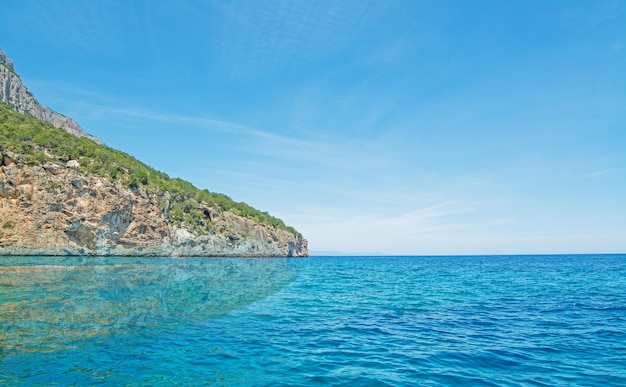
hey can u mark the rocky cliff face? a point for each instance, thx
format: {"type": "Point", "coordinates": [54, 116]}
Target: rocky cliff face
{"type": "Point", "coordinates": [54, 209]}
{"type": "Point", "coordinates": [51, 205]}
{"type": "Point", "coordinates": [14, 94]}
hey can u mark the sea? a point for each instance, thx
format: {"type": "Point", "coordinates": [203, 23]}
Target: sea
{"type": "Point", "coordinates": [531, 320]}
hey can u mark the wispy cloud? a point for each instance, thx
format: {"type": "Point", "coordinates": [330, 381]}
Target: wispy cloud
{"type": "Point", "coordinates": [599, 173]}
{"type": "Point", "coordinates": [346, 230]}
{"type": "Point", "coordinates": [264, 37]}
{"type": "Point", "coordinates": [147, 115]}
{"type": "Point", "coordinates": [447, 228]}
{"type": "Point", "coordinates": [338, 152]}
{"type": "Point", "coordinates": [85, 25]}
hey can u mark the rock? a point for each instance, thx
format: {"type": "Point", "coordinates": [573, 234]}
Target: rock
{"type": "Point", "coordinates": [90, 215]}
{"type": "Point", "coordinates": [12, 173]}
{"type": "Point", "coordinates": [7, 158]}
{"type": "Point", "coordinates": [73, 164]}
{"type": "Point", "coordinates": [81, 234]}
{"type": "Point", "coordinates": [6, 61]}
{"type": "Point", "coordinates": [55, 169]}
{"type": "Point", "coordinates": [183, 236]}
{"type": "Point", "coordinates": [14, 94]}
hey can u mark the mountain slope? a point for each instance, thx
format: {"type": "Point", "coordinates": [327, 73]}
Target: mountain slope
{"type": "Point", "coordinates": [15, 95]}
{"type": "Point", "coordinates": [66, 195]}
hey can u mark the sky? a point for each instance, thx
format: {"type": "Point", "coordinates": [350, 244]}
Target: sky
{"type": "Point", "coordinates": [373, 127]}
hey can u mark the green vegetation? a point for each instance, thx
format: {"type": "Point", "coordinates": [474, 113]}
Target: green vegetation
{"type": "Point", "coordinates": [32, 138]}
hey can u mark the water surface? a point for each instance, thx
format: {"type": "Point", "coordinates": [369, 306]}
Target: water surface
{"type": "Point", "coordinates": [357, 321]}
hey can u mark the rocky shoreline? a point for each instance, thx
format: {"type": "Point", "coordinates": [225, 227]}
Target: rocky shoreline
{"type": "Point", "coordinates": [54, 209]}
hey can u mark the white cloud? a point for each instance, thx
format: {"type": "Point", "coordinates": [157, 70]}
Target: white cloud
{"type": "Point", "coordinates": [350, 231]}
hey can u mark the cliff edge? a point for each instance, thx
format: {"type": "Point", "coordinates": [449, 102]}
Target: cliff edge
{"type": "Point", "coordinates": [15, 95]}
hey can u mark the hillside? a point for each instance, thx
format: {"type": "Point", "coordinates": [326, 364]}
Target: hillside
{"type": "Point", "coordinates": [67, 195]}
{"type": "Point", "coordinates": [63, 192]}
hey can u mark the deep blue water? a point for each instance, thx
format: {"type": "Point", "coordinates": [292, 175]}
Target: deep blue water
{"type": "Point", "coordinates": [354, 321]}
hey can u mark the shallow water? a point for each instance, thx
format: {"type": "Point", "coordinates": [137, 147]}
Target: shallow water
{"type": "Point", "coordinates": [357, 321]}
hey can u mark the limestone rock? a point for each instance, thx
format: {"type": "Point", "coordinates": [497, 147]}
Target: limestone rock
{"type": "Point", "coordinates": [73, 164]}
{"type": "Point", "coordinates": [14, 94]}
{"type": "Point", "coordinates": [53, 168]}
{"type": "Point", "coordinates": [51, 210]}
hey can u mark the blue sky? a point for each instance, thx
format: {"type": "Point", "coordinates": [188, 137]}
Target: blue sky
{"type": "Point", "coordinates": [394, 127]}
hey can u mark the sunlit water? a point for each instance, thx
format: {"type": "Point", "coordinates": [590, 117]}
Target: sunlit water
{"type": "Point", "coordinates": [357, 321]}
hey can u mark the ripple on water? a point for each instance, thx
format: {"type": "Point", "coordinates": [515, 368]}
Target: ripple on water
{"type": "Point", "coordinates": [393, 321]}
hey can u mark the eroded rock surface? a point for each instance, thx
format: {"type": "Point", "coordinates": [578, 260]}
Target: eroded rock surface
{"type": "Point", "coordinates": [53, 209]}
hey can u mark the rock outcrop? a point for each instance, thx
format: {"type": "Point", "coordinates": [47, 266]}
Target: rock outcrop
{"type": "Point", "coordinates": [15, 95]}
{"type": "Point", "coordinates": [51, 204]}
{"type": "Point", "coordinates": [54, 209]}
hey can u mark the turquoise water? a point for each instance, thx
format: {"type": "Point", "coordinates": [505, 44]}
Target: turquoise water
{"type": "Point", "coordinates": [354, 321]}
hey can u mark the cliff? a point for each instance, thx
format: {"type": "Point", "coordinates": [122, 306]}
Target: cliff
{"type": "Point", "coordinates": [14, 94]}
{"type": "Point", "coordinates": [62, 192]}
{"type": "Point", "coordinates": [50, 206]}
{"type": "Point", "coordinates": [53, 209]}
